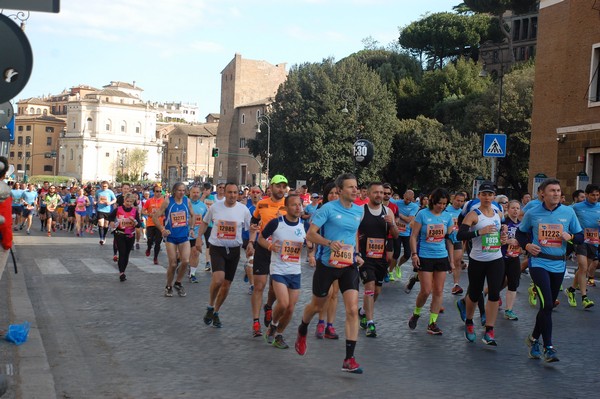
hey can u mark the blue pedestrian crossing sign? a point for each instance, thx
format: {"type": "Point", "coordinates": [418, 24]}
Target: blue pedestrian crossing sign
{"type": "Point", "coordinates": [494, 145]}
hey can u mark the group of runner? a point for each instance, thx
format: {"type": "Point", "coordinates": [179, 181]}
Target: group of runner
{"type": "Point", "coordinates": [355, 235]}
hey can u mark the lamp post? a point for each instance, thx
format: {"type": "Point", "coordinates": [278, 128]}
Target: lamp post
{"type": "Point", "coordinates": [267, 121]}
{"type": "Point", "coordinates": [492, 54]}
{"type": "Point", "coordinates": [122, 153]}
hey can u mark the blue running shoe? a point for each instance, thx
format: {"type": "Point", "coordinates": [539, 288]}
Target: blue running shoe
{"type": "Point", "coordinates": [550, 354]}
{"type": "Point", "coordinates": [462, 309]}
{"type": "Point", "coordinates": [489, 339]}
{"type": "Point", "coordinates": [483, 319]}
{"type": "Point", "coordinates": [470, 332]}
{"type": "Point", "coordinates": [534, 347]}
{"type": "Point", "coordinates": [386, 279]}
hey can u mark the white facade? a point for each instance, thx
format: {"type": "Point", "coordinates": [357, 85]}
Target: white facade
{"type": "Point", "coordinates": [100, 127]}
{"type": "Point", "coordinates": [177, 112]}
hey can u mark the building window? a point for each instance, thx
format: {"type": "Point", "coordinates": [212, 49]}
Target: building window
{"type": "Point", "coordinates": [12, 154]}
{"type": "Point", "coordinates": [27, 140]}
{"type": "Point", "coordinates": [594, 87]}
{"type": "Point", "coordinates": [20, 140]}
{"type": "Point", "coordinates": [90, 124]}
{"type": "Point", "coordinates": [27, 154]}
{"type": "Point", "coordinates": [49, 129]}
{"type": "Point", "coordinates": [19, 166]}
{"type": "Point", "coordinates": [138, 128]}
{"type": "Point", "coordinates": [243, 119]}
{"type": "Point", "coordinates": [242, 142]}
{"type": "Point", "coordinates": [534, 27]}
{"type": "Point", "coordinates": [20, 128]}
{"type": "Point", "coordinates": [516, 29]}
{"type": "Point", "coordinates": [71, 153]}
{"type": "Point", "coordinates": [108, 155]}
{"type": "Point", "coordinates": [27, 166]}
{"type": "Point", "coordinates": [123, 126]}
{"type": "Point", "coordinates": [108, 125]}
{"type": "Point", "coordinates": [48, 141]}
{"type": "Point", "coordinates": [48, 168]}
{"type": "Point", "coordinates": [31, 111]}
{"type": "Point", "coordinates": [20, 154]}
{"type": "Point", "coordinates": [524, 31]}
{"type": "Point", "coordinates": [28, 128]}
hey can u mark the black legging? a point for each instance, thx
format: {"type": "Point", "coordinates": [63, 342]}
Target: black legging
{"type": "Point", "coordinates": [479, 272]}
{"type": "Point", "coordinates": [124, 246]}
{"type": "Point", "coordinates": [512, 271]}
{"type": "Point", "coordinates": [154, 237]}
{"type": "Point", "coordinates": [548, 286]}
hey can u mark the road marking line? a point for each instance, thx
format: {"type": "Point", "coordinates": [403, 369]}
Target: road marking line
{"type": "Point", "coordinates": [51, 266]}
{"type": "Point", "coordinates": [99, 266]}
{"type": "Point", "coordinates": [144, 265]}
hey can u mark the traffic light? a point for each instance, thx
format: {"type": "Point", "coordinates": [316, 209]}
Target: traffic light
{"type": "Point", "coordinates": [215, 152]}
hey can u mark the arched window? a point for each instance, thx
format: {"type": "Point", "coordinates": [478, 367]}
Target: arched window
{"type": "Point", "coordinates": [243, 119]}
{"type": "Point", "coordinates": [39, 111]}
{"type": "Point", "coordinates": [138, 127]}
{"type": "Point", "coordinates": [123, 127]}
{"type": "Point", "coordinates": [90, 124]}
{"type": "Point", "coordinates": [31, 111]}
{"type": "Point", "coordinates": [71, 154]}
{"type": "Point", "coordinates": [108, 125]}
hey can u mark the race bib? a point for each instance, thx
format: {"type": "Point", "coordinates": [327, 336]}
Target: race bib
{"type": "Point", "coordinates": [513, 251]}
{"type": "Point", "coordinates": [342, 258]}
{"type": "Point", "coordinates": [549, 235]}
{"type": "Point", "coordinates": [490, 242]}
{"type": "Point", "coordinates": [401, 227]}
{"type": "Point", "coordinates": [103, 199]}
{"type": "Point", "coordinates": [226, 230]}
{"type": "Point", "coordinates": [375, 248]}
{"type": "Point", "coordinates": [435, 233]}
{"type": "Point", "coordinates": [591, 236]}
{"type": "Point", "coordinates": [290, 251]}
{"type": "Point", "coordinates": [178, 219]}
{"type": "Point", "coordinates": [80, 207]}
{"type": "Point", "coordinates": [126, 222]}
{"type": "Point", "coordinates": [197, 220]}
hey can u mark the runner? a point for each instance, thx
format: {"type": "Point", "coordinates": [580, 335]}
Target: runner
{"type": "Point", "coordinates": [482, 226]}
{"type": "Point", "coordinates": [229, 218]}
{"type": "Point", "coordinates": [81, 203]}
{"type": "Point", "coordinates": [255, 196]}
{"type": "Point", "coordinates": [52, 200]}
{"type": "Point", "coordinates": [544, 233]}
{"type": "Point", "coordinates": [152, 229]}
{"type": "Point", "coordinates": [29, 199]}
{"type": "Point", "coordinates": [511, 251]}
{"type": "Point", "coordinates": [336, 260]}
{"type": "Point", "coordinates": [454, 210]}
{"type": "Point", "coordinates": [17, 206]}
{"type": "Point", "coordinates": [588, 214]}
{"type": "Point", "coordinates": [124, 219]}
{"type": "Point", "coordinates": [266, 210]}
{"type": "Point", "coordinates": [178, 224]}
{"type": "Point", "coordinates": [377, 225]}
{"type": "Point", "coordinates": [393, 245]}
{"type": "Point", "coordinates": [407, 210]}
{"type": "Point", "coordinates": [41, 205]}
{"type": "Point", "coordinates": [287, 239]}
{"type": "Point", "coordinates": [432, 255]}
{"type": "Point", "coordinates": [199, 211]}
{"type": "Point", "coordinates": [104, 199]}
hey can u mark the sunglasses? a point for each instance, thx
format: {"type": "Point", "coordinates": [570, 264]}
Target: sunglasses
{"type": "Point", "coordinates": [387, 193]}
{"type": "Point", "coordinates": [157, 191]}
{"type": "Point", "coordinates": [503, 203]}
{"type": "Point", "coordinates": [256, 192]}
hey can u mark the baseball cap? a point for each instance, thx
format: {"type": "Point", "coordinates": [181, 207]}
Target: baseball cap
{"type": "Point", "coordinates": [278, 179]}
{"type": "Point", "coordinates": [487, 186]}
{"type": "Point", "coordinates": [315, 195]}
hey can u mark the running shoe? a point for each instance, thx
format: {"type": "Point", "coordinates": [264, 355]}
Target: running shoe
{"type": "Point", "coordinates": [433, 329]}
{"type": "Point", "coordinates": [510, 315]}
{"type": "Point", "coordinates": [320, 331]}
{"type": "Point", "coordinates": [391, 277]}
{"type": "Point", "coordinates": [532, 295]}
{"type": "Point", "coordinates": [411, 283]}
{"type": "Point", "coordinates": [256, 332]}
{"type": "Point", "coordinates": [156, 261]}
{"type": "Point", "coordinates": [591, 282]}
{"type": "Point", "coordinates": [268, 315]}
{"type": "Point", "coordinates": [207, 267]}
{"type": "Point", "coordinates": [115, 258]}
{"type": "Point", "coordinates": [412, 322]}
{"type": "Point", "coordinates": [442, 309]}
{"type": "Point", "coordinates": [470, 332]}
{"type": "Point", "coordinates": [137, 245]}
{"type": "Point", "coordinates": [270, 335]}
{"type": "Point", "coordinates": [330, 333]}
{"type": "Point", "coordinates": [180, 290]}
{"type": "Point", "coordinates": [457, 290]}
{"type": "Point", "coordinates": [363, 320]}
{"type": "Point", "coordinates": [462, 309]}
{"type": "Point", "coordinates": [587, 303]}
{"type": "Point", "coordinates": [488, 338]}
{"type": "Point", "coordinates": [386, 279]}
{"type": "Point", "coordinates": [534, 347]}
{"type": "Point", "coordinates": [571, 298]}
{"type": "Point", "coordinates": [193, 279]}
{"type": "Point", "coordinates": [398, 272]}
{"type": "Point", "coordinates": [216, 322]}
{"type": "Point", "coordinates": [371, 331]}
{"type": "Point", "coordinates": [28, 232]}
{"type": "Point", "coordinates": [279, 343]}
{"type": "Point", "coordinates": [246, 278]}
{"type": "Point", "coordinates": [101, 242]}
{"type": "Point", "coordinates": [168, 291]}
{"type": "Point", "coordinates": [550, 354]}
{"type": "Point", "coordinates": [122, 277]}
{"type": "Point", "coordinates": [483, 319]}
{"type": "Point", "coordinates": [49, 234]}
{"type": "Point", "coordinates": [208, 316]}
{"type": "Point", "coordinates": [556, 303]}
{"type": "Point", "coordinates": [350, 366]}
{"type": "Point", "coordinates": [148, 252]}
{"type": "Point", "coordinates": [251, 290]}
{"type": "Point", "coordinates": [300, 344]}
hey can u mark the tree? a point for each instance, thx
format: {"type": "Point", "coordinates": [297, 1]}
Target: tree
{"type": "Point", "coordinates": [136, 162]}
{"type": "Point", "coordinates": [312, 138]}
{"type": "Point", "coordinates": [440, 37]}
{"type": "Point", "coordinates": [428, 155]}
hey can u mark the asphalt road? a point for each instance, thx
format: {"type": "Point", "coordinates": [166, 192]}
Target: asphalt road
{"type": "Point", "coordinates": [95, 337]}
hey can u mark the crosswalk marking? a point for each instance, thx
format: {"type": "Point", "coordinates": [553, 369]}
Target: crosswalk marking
{"type": "Point", "coordinates": [145, 265]}
{"type": "Point", "coordinates": [51, 266]}
{"type": "Point", "coordinates": [98, 265]}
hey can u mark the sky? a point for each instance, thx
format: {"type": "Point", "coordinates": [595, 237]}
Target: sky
{"type": "Point", "coordinates": [176, 49]}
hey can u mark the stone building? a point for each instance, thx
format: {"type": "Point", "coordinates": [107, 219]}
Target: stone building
{"type": "Point", "coordinates": [565, 139]}
{"type": "Point", "coordinates": [247, 89]}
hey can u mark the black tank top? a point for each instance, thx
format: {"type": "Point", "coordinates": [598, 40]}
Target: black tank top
{"type": "Point", "coordinates": [372, 234]}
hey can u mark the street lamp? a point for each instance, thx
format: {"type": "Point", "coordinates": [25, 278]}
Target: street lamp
{"type": "Point", "coordinates": [492, 54]}
{"type": "Point", "coordinates": [122, 153]}
{"type": "Point", "coordinates": [267, 121]}
{"type": "Point", "coordinates": [181, 162]}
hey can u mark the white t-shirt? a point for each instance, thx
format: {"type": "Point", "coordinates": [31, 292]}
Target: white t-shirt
{"type": "Point", "coordinates": [228, 223]}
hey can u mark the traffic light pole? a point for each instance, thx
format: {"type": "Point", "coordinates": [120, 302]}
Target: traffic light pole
{"type": "Point", "coordinates": [260, 165]}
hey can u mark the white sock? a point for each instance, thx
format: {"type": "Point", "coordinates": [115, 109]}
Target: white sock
{"type": "Point", "coordinates": [193, 271]}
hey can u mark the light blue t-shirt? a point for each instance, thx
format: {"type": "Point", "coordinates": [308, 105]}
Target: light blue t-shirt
{"type": "Point", "coordinates": [310, 210]}
{"type": "Point", "coordinates": [455, 213]}
{"type": "Point", "coordinates": [30, 197]}
{"type": "Point", "coordinates": [408, 210]}
{"type": "Point", "coordinates": [199, 211]}
{"type": "Point", "coordinates": [531, 204]}
{"type": "Point", "coordinates": [545, 227]}
{"type": "Point", "coordinates": [338, 223]}
{"type": "Point", "coordinates": [16, 196]}
{"type": "Point", "coordinates": [589, 218]}
{"type": "Point", "coordinates": [432, 242]}
{"type": "Point", "coordinates": [109, 195]}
